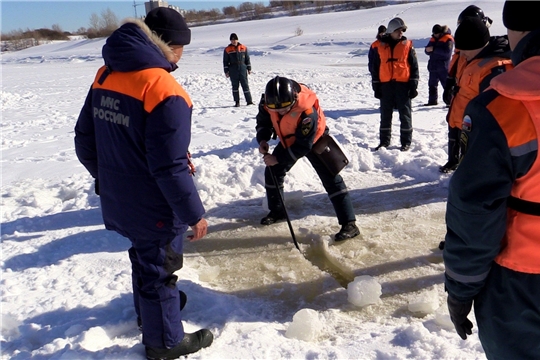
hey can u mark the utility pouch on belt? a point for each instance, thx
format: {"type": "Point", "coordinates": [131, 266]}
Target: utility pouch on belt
{"type": "Point", "coordinates": [330, 153]}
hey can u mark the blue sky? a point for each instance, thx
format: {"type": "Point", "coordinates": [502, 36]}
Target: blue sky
{"type": "Point", "coordinates": [72, 15]}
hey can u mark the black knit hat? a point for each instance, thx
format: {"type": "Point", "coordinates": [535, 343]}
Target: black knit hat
{"type": "Point", "coordinates": [437, 29]}
{"type": "Point", "coordinates": [233, 37]}
{"type": "Point", "coordinates": [471, 34]}
{"type": "Point", "coordinates": [169, 25]}
{"type": "Point", "coordinates": [521, 15]}
{"type": "Point", "coordinates": [381, 29]}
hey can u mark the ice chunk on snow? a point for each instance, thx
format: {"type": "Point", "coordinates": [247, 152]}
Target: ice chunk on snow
{"type": "Point", "coordinates": [95, 339]}
{"type": "Point", "coordinates": [364, 290]}
{"type": "Point", "coordinates": [442, 318]}
{"type": "Point", "coordinates": [426, 303]}
{"type": "Point", "coordinates": [306, 325]}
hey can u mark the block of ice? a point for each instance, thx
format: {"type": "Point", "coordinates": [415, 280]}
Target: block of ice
{"type": "Point", "coordinates": [364, 290]}
{"type": "Point", "coordinates": [306, 325]}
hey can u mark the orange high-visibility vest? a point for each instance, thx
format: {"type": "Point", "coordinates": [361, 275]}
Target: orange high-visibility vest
{"type": "Point", "coordinates": [468, 81]}
{"type": "Point", "coordinates": [394, 62]}
{"type": "Point", "coordinates": [286, 126]}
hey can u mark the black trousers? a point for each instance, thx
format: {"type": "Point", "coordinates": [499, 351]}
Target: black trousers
{"type": "Point", "coordinates": [395, 95]}
{"type": "Point", "coordinates": [240, 77]}
{"type": "Point", "coordinates": [334, 185]}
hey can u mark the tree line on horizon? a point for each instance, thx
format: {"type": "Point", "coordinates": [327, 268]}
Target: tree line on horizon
{"type": "Point", "coordinates": [104, 24]}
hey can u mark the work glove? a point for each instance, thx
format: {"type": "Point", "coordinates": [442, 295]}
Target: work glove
{"type": "Point", "coordinates": [412, 89]}
{"type": "Point", "coordinates": [458, 314]}
{"type": "Point", "coordinates": [377, 88]}
{"type": "Point", "coordinates": [448, 90]}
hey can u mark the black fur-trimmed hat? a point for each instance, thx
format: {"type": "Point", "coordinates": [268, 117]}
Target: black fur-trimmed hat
{"type": "Point", "coordinates": [169, 25]}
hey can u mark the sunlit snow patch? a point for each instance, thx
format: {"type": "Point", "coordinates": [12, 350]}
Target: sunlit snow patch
{"type": "Point", "coordinates": [306, 326]}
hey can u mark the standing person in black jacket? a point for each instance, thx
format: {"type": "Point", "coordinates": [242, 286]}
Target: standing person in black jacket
{"type": "Point", "coordinates": [237, 66]}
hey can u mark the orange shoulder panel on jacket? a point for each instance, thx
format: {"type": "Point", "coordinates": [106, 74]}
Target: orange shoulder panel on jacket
{"type": "Point", "coordinates": [510, 115]}
{"type": "Point", "coordinates": [151, 86]}
{"type": "Point", "coordinates": [446, 37]}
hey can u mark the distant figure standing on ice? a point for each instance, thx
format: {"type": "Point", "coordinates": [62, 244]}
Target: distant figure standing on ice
{"type": "Point", "coordinates": [237, 66]}
{"type": "Point", "coordinates": [395, 80]}
{"type": "Point", "coordinates": [439, 49]}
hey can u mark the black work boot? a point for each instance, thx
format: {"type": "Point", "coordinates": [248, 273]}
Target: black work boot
{"type": "Point", "coordinates": [348, 231]}
{"type": "Point", "coordinates": [183, 301]}
{"type": "Point", "coordinates": [237, 104]}
{"type": "Point", "coordinates": [448, 167]}
{"type": "Point", "coordinates": [381, 145]}
{"type": "Point", "coordinates": [405, 148]}
{"type": "Point", "coordinates": [272, 217]}
{"type": "Point", "coordinates": [190, 343]}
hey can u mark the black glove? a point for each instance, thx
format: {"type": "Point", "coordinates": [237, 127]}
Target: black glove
{"type": "Point", "coordinates": [458, 314]}
{"type": "Point", "coordinates": [412, 89]}
{"type": "Point", "coordinates": [448, 90]}
{"type": "Point", "coordinates": [96, 186]}
{"type": "Point", "coordinates": [377, 88]}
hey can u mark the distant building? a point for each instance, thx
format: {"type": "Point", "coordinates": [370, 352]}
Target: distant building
{"type": "Point", "coordinates": [152, 4]}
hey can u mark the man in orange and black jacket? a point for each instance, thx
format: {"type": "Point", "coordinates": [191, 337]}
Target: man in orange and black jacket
{"type": "Point", "coordinates": [237, 66]}
{"type": "Point", "coordinates": [395, 80]}
{"type": "Point", "coordinates": [132, 135]}
{"type": "Point", "coordinates": [492, 250]}
{"type": "Point", "coordinates": [291, 112]}
{"type": "Point", "coordinates": [482, 58]}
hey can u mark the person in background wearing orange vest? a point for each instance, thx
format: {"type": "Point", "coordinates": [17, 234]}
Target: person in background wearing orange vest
{"type": "Point", "coordinates": [380, 33]}
{"type": "Point", "coordinates": [395, 80]}
{"type": "Point", "coordinates": [237, 66]}
{"type": "Point", "coordinates": [484, 58]}
{"type": "Point", "coordinates": [291, 112]}
{"type": "Point", "coordinates": [439, 49]}
{"type": "Point", "coordinates": [492, 252]}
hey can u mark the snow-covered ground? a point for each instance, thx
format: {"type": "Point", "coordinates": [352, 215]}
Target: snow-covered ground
{"type": "Point", "coordinates": [66, 285]}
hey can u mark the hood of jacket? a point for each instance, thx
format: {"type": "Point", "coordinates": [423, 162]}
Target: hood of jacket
{"type": "Point", "coordinates": [497, 46]}
{"type": "Point", "coordinates": [133, 46]}
{"type": "Point", "coordinates": [528, 47]}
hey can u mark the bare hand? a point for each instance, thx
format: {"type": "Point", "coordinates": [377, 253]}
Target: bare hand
{"type": "Point", "coordinates": [199, 230]}
{"type": "Point", "coordinates": [263, 147]}
{"type": "Point", "coordinates": [429, 48]}
{"type": "Point", "coordinates": [270, 160]}
{"type": "Point", "coordinates": [227, 75]}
